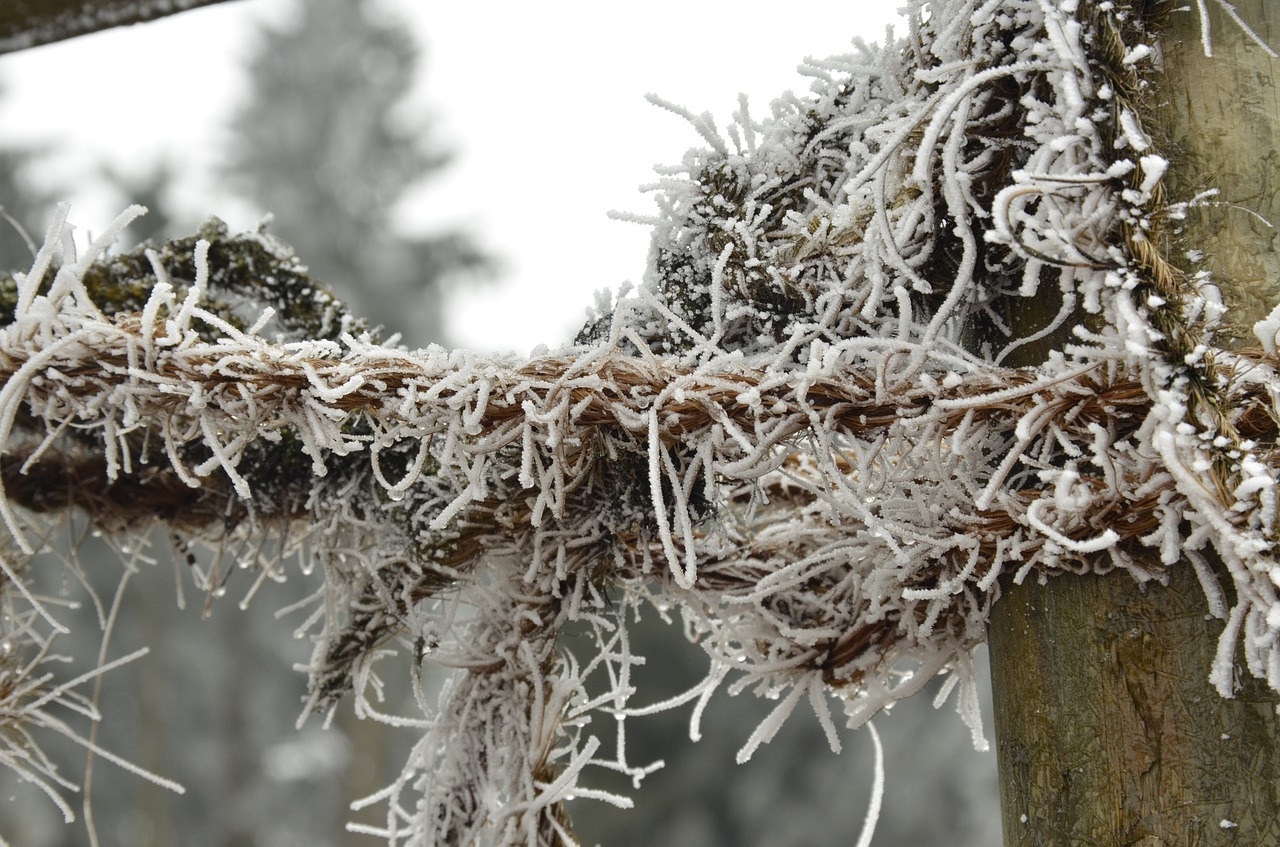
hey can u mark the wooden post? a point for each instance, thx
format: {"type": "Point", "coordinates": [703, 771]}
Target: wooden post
{"type": "Point", "coordinates": [1108, 731]}
{"type": "Point", "coordinates": [1221, 117]}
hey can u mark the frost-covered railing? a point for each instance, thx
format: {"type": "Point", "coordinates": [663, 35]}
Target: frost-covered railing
{"type": "Point", "coordinates": [28, 24]}
{"type": "Point", "coordinates": [803, 433]}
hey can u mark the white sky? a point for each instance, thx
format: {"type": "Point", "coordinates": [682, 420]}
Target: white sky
{"type": "Point", "coordinates": [543, 104]}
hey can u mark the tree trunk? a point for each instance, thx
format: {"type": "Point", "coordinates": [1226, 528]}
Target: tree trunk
{"type": "Point", "coordinates": [29, 23]}
{"type": "Point", "coordinates": [1108, 731]}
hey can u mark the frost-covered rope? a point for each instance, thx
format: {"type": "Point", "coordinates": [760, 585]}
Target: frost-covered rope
{"type": "Point", "coordinates": [800, 431]}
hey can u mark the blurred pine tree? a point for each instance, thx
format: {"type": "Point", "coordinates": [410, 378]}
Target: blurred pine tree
{"type": "Point", "coordinates": [24, 207]}
{"type": "Point", "coordinates": [324, 144]}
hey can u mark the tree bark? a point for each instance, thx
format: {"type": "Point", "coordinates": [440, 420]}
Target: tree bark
{"type": "Point", "coordinates": [1108, 731]}
{"type": "Point", "coordinates": [30, 23]}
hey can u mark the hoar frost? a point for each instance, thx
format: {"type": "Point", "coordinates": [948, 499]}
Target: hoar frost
{"type": "Point", "coordinates": [803, 437]}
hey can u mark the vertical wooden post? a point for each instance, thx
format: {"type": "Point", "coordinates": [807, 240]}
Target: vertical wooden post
{"type": "Point", "coordinates": [1220, 117]}
{"type": "Point", "coordinates": [1108, 731]}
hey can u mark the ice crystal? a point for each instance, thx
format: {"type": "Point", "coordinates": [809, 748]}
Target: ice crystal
{"type": "Point", "coordinates": [804, 434]}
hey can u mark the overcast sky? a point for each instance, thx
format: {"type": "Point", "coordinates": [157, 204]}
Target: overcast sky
{"type": "Point", "coordinates": [543, 104]}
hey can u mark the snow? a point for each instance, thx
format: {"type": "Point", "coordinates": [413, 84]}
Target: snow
{"type": "Point", "coordinates": [1267, 331]}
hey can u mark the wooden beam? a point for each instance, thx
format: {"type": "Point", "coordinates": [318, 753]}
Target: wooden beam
{"type": "Point", "coordinates": [30, 23]}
